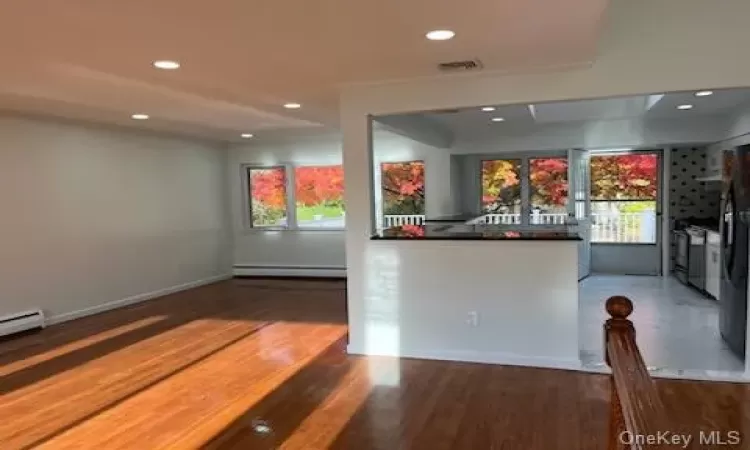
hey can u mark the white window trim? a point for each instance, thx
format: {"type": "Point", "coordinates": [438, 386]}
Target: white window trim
{"type": "Point", "coordinates": [291, 203]}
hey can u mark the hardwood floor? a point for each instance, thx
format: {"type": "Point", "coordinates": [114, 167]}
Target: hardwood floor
{"type": "Point", "coordinates": [261, 364]}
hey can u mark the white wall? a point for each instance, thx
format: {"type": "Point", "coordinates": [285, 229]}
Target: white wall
{"type": "Point", "coordinates": [648, 46]}
{"type": "Point", "coordinates": [635, 132]}
{"type": "Point", "coordinates": [738, 131]}
{"type": "Point", "coordinates": [97, 215]}
{"type": "Point", "coordinates": [320, 249]}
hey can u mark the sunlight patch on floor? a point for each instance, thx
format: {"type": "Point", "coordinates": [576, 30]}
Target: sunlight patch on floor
{"type": "Point", "coordinates": [85, 341]}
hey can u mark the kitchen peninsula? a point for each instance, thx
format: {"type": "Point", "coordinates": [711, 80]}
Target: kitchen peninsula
{"type": "Point", "coordinates": [517, 285]}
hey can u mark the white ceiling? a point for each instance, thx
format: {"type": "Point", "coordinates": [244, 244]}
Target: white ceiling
{"type": "Point", "coordinates": [243, 59]}
{"type": "Point", "coordinates": [474, 123]}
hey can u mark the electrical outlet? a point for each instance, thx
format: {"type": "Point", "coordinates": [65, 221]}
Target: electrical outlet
{"type": "Point", "coordinates": [472, 319]}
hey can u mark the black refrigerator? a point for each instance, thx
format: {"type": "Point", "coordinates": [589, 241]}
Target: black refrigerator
{"type": "Point", "coordinates": [735, 207]}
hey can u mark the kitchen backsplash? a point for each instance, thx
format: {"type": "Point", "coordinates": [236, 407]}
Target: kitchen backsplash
{"type": "Point", "coordinates": [689, 197]}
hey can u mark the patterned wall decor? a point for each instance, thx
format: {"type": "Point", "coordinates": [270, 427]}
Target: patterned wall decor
{"type": "Point", "coordinates": [687, 196]}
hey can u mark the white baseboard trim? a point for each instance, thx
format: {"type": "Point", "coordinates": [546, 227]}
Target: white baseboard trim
{"type": "Point", "coordinates": [508, 359]}
{"type": "Point", "coordinates": [288, 271]}
{"type": "Point", "coordinates": [64, 317]}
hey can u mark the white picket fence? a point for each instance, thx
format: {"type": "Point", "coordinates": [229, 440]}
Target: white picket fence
{"type": "Point", "coordinates": [637, 227]}
{"type": "Point", "coordinates": [535, 219]}
{"type": "Point", "coordinates": [397, 221]}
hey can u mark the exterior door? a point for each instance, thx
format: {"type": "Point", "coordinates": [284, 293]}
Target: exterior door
{"type": "Point", "coordinates": [626, 212]}
{"type": "Point", "coordinates": [579, 205]}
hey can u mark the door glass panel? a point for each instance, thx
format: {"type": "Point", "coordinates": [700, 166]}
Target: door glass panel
{"type": "Point", "coordinates": [501, 191]}
{"type": "Point", "coordinates": [624, 190]}
{"type": "Point", "coordinates": [548, 186]}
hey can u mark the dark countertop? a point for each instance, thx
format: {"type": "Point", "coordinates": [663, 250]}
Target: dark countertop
{"type": "Point", "coordinates": [708, 224]}
{"type": "Point", "coordinates": [711, 228]}
{"type": "Point", "coordinates": [476, 233]}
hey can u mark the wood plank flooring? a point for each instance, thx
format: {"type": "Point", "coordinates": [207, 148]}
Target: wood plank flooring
{"type": "Point", "coordinates": [261, 364]}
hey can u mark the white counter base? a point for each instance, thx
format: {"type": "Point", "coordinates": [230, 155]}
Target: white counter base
{"type": "Point", "coordinates": [417, 298]}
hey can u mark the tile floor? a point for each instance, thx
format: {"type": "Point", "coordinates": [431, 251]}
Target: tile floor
{"type": "Point", "coordinates": [677, 328]}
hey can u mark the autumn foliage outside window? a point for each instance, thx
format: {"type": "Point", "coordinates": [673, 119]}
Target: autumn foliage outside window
{"type": "Point", "coordinates": [624, 189]}
{"type": "Point", "coordinates": [501, 186]}
{"type": "Point", "coordinates": [267, 196]}
{"type": "Point", "coordinates": [548, 182]}
{"type": "Point", "coordinates": [403, 188]}
{"type": "Point", "coordinates": [624, 177]}
{"type": "Point", "coordinates": [319, 196]}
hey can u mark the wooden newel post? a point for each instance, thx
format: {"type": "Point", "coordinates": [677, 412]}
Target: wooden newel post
{"type": "Point", "coordinates": [619, 309]}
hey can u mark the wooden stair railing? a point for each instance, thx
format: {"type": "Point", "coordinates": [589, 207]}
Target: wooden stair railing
{"type": "Point", "coordinates": [637, 415]}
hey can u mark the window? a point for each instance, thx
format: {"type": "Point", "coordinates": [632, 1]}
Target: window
{"type": "Point", "coordinates": [268, 200]}
{"type": "Point", "coordinates": [319, 196]}
{"type": "Point", "coordinates": [548, 185]}
{"type": "Point", "coordinates": [501, 189]}
{"type": "Point", "coordinates": [403, 189]}
{"type": "Point", "coordinates": [624, 189]}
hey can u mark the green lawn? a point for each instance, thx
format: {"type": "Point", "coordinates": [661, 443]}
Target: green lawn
{"type": "Point", "coordinates": [307, 212]}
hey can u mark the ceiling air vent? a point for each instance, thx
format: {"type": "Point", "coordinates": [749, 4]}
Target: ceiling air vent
{"type": "Point", "coordinates": [447, 111]}
{"type": "Point", "coordinates": [456, 66]}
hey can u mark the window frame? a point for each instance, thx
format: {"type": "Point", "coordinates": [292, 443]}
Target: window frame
{"type": "Point", "coordinates": [525, 157]}
{"type": "Point", "coordinates": [291, 199]}
{"type": "Point", "coordinates": [248, 203]}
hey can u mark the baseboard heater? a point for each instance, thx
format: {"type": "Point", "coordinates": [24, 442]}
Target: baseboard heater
{"type": "Point", "coordinates": [240, 270]}
{"type": "Point", "coordinates": [22, 321]}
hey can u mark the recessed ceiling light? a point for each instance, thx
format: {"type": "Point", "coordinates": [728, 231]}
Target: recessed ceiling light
{"type": "Point", "coordinates": [498, 119]}
{"type": "Point", "coordinates": [704, 93]}
{"type": "Point", "coordinates": [488, 108]}
{"type": "Point", "coordinates": [685, 107]}
{"type": "Point", "coordinates": [140, 116]}
{"type": "Point", "coordinates": [166, 64]}
{"type": "Point", "coordinates": [247, 135]}
{"type": "Point", "coordinates": [440, 35]}
{"type": "Point", "coordinates": [292, 106]}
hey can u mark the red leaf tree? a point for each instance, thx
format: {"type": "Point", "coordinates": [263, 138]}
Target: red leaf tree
{"type": "Point", "coordinates": [319, 185]}
{"type": "Point", "coordinates": [268, 187]}
{"type": "Point", "coordinates": [501, 185]}
{"type": "Point", "coordinates": [549, 181]}
{"type": "Point", "coordinates": [630, 177]}
{"type": "Point", "coordinates": [403, 187]}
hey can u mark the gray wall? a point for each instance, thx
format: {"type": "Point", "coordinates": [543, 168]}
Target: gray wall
{"type": "Point", "coordinates": [96, 216]}
{"type": "Point", "coordinates": [626, 259]}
